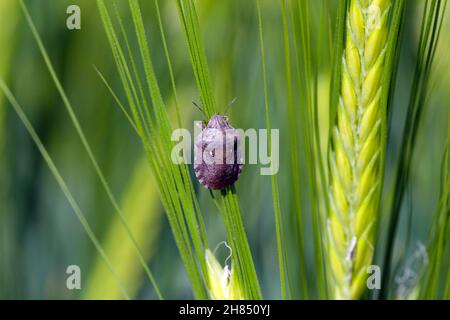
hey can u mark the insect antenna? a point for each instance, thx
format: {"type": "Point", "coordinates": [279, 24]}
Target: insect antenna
{"type": "Point", "coordinates": [199, 108]}
{"type": "Point", "coordinates": [229, 105]}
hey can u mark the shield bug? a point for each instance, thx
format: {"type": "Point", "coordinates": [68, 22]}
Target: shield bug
{"type": "Point", "coordinates": [217, 154]}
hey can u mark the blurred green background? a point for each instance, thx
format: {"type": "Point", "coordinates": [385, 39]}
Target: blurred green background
{"type": "Point", "coordinates": [39, 234]}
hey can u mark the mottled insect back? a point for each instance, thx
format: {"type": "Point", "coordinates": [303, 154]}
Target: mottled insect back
{"type": "Point", "coordinates": [217, 154]}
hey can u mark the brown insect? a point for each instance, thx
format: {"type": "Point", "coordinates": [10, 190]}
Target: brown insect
{"type": "Point", "coordinates": [217, 152]}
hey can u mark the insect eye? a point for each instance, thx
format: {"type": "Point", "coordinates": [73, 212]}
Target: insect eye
{"type": "Point", "coordinates": [212, 153]}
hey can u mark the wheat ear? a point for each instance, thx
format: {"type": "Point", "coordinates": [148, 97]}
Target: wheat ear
{"type": "Point", "coordinates": [355, 149]}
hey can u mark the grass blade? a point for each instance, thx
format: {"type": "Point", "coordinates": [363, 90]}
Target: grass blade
{"type": "Point", "coordinates": [279, 227]}
{"type": "Point", "coordinates": [86, 145]}
{"type": "Point", "coordinates": [141, 204]}
{"type": "Point", "coordinates": [293, 139]}
{"type": "Point", "coordinates": [237, 238]}
{"type": "Point", "coordinates": [154, 129]}
{"type": "Point", "coordinates": [62, 184]}
{"type": "Point", "coordinates": [430, 29]}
